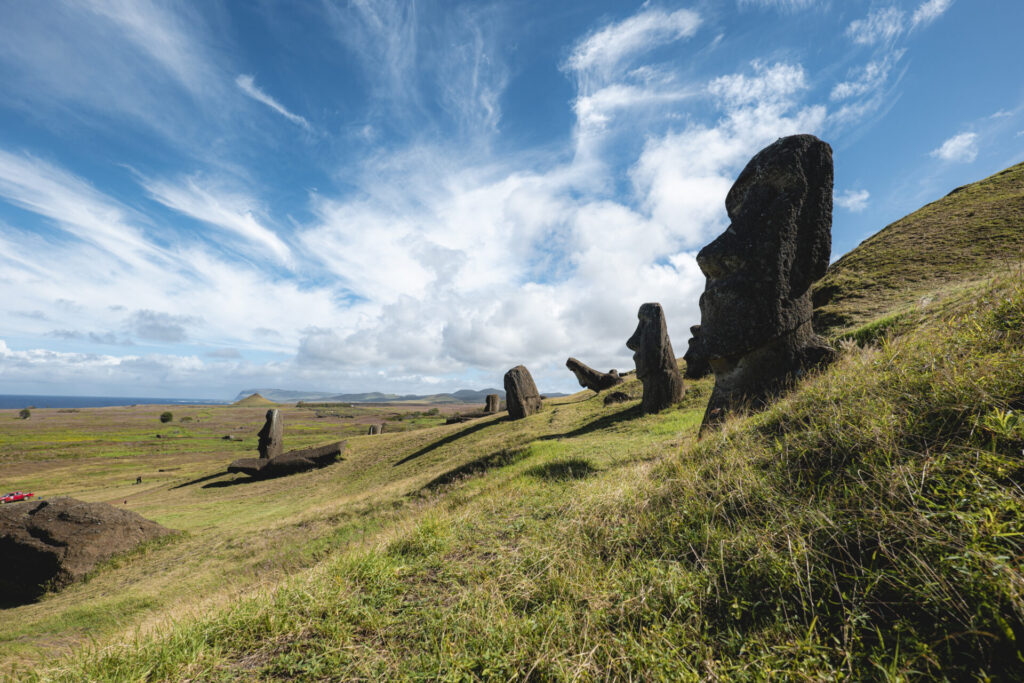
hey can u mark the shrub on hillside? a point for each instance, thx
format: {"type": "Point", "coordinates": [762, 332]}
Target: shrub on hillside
{"type": "Point", "coordinates": [24, 413]}
{"type": "Point", "coordinates": [166, 416]}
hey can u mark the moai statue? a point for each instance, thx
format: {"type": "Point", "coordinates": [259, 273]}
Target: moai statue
{"type": "Point", "coordinates": [493, 403]}
{"type": "Point", "coordinates": [521, 393]}
{"type": "Point", "coordinates": [593, 379]}
{"type": "Point", "coordinates": [271, 442]}
{"type": "Point", "coordinates": [756, 306]}
{"type": "Point", "coordinates": [696, 357]}
{"type": "Point", "coordinates": [656, 365]}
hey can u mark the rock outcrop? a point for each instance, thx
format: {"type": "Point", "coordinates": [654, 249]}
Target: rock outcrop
{"type": "Point", "coordinates": [271, 437]}
{"type": "Point", "coordinates": [696, 356]}
{"type": "Point", "coordinates": [756, 306]}
{"type": "Point", "coordinates": [493, 403]}
{"type": "Point", "coordinates": [300, 460]}
{"type": "Point", "coordinates": [49, 544]}
{"type": "Point", "coordinates": [521, 395]}
{"type": "Point", "coordinates": [656, 366]}
{"type": "Point", "coordinates": [593, 379]}
{"type": "Point", "coordinates": [614, 397]}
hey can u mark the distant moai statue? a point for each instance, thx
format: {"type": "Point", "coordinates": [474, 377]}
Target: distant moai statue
{"type": "Point", "coordinates": [656, 366]}
{"type": "Point", "coordinates": [375, 429]}
{"type": "Point", "coordinates": [271, 437]}
{"type": "Point", "coordinates": [696, 356]}
{"type": "Point", "coordinates": [756, 307]}
{"type": "Point", "coordinates": [521, 393]}
{"type": "Point", "coordinates": [493, 403]}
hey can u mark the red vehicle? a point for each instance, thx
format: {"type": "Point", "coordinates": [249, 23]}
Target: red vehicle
{"type": "Point", "coordinates": [15, 497]}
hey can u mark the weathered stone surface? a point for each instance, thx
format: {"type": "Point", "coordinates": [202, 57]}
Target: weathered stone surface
{"type": "Point", "coordinates": [696, 356]}
{"type": "Point", "coordinates": [521, 395]}
{"type": "Point", "coordinates": [616, 397]}
{"type": "Point", "coordinates": [493, 403]}
{"type": "Point", "coordinates": [272, 435]}
{"type": "Point", "coordinates": [656, 365]}
{"type": "Point", "coordinates": [756, 306]}
{"type": "Point", "coordinates": [593, 379]}
{"type": "Point", "coordinates": [289, 463]}
{"type": "Point", "coordinates": [250, 466]}
{"type": "Point", "coordinates": [51, 543]}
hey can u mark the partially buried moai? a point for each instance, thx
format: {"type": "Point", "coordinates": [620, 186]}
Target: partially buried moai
{"type": "Point", "coordinates": [696, 357]}
{"type": "Point", "coordinates": [493, 403]}
{"type": "Point", "coordinates": [271, 437]}
{"type": "Point", "coordinates": [521, 395]}
{"type": "Point", "coordinates": [656, 365]}
{"type": "Point", "coordinates": [756, 306]}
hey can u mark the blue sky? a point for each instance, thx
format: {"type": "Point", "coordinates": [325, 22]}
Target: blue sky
{"type": "Point", "coordinates": [360, 195]}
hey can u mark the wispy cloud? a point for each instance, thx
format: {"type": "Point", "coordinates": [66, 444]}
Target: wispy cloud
{"type": "Point", "coordinates": [853, 200]}
{"type": "Point", "coordinates": [248, 85]}
{"type": "Point", "coordinates": [929, 11]}
{"type": "Point", "coordinates": [881, 25]}
{"type": "Point", "coordinates": [606, 49]}
{"type": "Point", "coordinates": [234, 212]}
{"type": "Point", "coordinates": [868, 79]}
{"type": "Point", "coordinates": [959, 148]}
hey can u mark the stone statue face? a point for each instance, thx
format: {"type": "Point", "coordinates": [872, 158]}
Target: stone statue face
{"type": "Point", "coordinates": [648, 332]}
{"type": "Point", "coordinates": [759, 271]}
{"type": "Point", "coordinates": [264, 433]}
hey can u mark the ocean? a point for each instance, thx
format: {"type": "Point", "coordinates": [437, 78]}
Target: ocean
{"type": "Point", "coordinates": [24, 401]}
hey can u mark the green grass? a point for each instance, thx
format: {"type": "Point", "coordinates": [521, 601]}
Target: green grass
{"type": "Point", "coordinates": [867, 526]}
{"type": "Point", "coordinates": [972, 233]}
{"type": "Point", "coordinates": [870, 525]}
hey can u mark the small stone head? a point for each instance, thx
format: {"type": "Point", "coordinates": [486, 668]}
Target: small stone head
{"type": "Point", "coordinates": [759, 271]}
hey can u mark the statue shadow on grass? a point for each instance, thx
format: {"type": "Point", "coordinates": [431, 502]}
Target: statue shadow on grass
{"type": "Point", "coordinates": [631, 413]}
{"type": "Point", "coordinates": [200, 480]}
{"type": "Point", "coordinates": [449, 439]}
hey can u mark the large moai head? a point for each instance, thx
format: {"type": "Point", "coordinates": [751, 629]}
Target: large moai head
{"type": "Point", "coordinates": [756, 307]}
{"type": "Point", "coordinates": [271, 437]}
{"type": "Point", "coordinates": [760, 270]}
{"type": "Point", "coordinates": [655, 360]}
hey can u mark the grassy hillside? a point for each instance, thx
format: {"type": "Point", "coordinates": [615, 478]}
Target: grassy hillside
{"type": "Point", "coordinates": [971, 233]}
{"type": "Point", "coordinates": [869, 525]}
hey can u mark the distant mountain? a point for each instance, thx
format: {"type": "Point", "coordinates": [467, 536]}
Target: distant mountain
{"type": "Point", "coordinates": [290, 396]}
{"type": "Point", "coordinates": [254, 400]}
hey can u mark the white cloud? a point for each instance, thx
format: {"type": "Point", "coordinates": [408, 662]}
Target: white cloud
{"type": "Point", "coordinates": [867, 80]}
{"type": "Point", "coordinates": [929, 11]}
{"type": "Point", "coordinates": [605, 50]}
{"type": "Point", "coordinates": [785, 5]}
{"type": "Point", "coordinates": [961, 148]}
{"type": "Point", "coordinates": [853, 200]}
{"type": "Point", "coordinates": [226, 210]}
{"type": "Point", "coordinates": [248, 85]}
{"type": "Point", "coordinates": [881, 25]}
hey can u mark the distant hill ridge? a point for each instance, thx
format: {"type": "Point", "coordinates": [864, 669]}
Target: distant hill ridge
{"type": "Point", "coordinates": [290, 396]}
{"type": "Point", "coordinates": [254, 399]}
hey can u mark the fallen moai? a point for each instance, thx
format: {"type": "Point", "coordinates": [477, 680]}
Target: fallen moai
{"type": "Point", "coordinates": [493, 403]}
{"type": "Point", "coordinates": [49, 544]}
{"type": "Point", "coordinates": [280, 464]}
{"type": "Point", "coordinates": [521, 395]}
{"type": "Point", "coordinates": [300, 460]}
{"type": "Point", "coordinates": [592, 379]}
{"type": "Point", "coordinates": [696, 356]}
{"type": "Point", "coordinates": [656, 366]}
{"type": "Point", "coordinates": [756, 306]}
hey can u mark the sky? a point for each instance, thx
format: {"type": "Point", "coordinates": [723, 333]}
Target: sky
{"type": "Point", "coordinates": [370, 195]}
